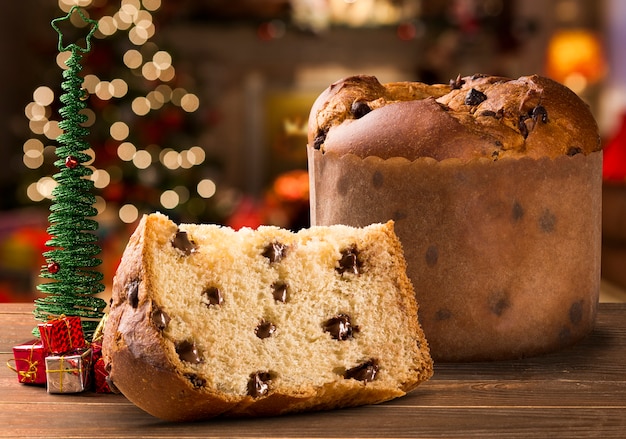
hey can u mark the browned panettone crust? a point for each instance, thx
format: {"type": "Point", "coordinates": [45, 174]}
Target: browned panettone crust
{"type": "Point", "coordinates": [477, 116]}
{"type": "Point", "coordinates": [494, 185]}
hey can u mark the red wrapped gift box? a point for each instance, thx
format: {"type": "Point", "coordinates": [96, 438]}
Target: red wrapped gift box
{"type": "Point", "coordinates": [30, 363]}
{"type": "Point", "coordinates": [62, 335]}
{"type": "Point", "coordinates": [101, 377]}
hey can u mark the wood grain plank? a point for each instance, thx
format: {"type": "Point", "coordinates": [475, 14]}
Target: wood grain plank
{"type": "Point", "coordinates": [53, 420]}
{"type": "Point", "coordinates": [575, 393]}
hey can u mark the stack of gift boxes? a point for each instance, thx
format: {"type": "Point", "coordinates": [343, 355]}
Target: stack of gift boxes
{"type": "Point", "coordinates": [62, 359]}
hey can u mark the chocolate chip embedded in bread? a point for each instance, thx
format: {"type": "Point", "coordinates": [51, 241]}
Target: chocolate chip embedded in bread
{"type": "Point", "coordinates": [188, 351]}
{"type": "Point", "coordinates": [365, 372]}
{"type": "Point", "coordinates": [432, 255]}
{"type": "Point", "coordinates": [525, 125]}
{"type": "Point", "coordinates": [498, 302]}
{"type": "Point", "coordinates": [378, 180]}
{"type": "Point", "coordinates": [259, 384]}
{"type": "Point", "coordinates": [265, 329]}
{"type": "Point", "coordinates": [340, 327]}
{"type": "Point", "coordinates": [182, 243]}
{"type": "Point", "coordinates": [457, 83]}
{"type": "Point", "coordinates": [399, 215]}
{"type": "Point", "coordinates": [279, 291]}
{"type": "Point", "coordinates": [539, 113]}
{"type": "Point", "coordinates": [474, 97]}
{"type": "Point", "coordinates": [547, 221]}
{"type": "Point", "coordinates": [132, 292]}
{"type": "Point", "coordinates": [517, 212]}
{"type": "Point", "coordinates": [275, 251]}
{"type": "Point", "coordinates": [443, 314]}
{"type": "Point", "coordinates": [349, 261]}
{"type": "Point", "coordinates": [212, 296]}
{"type": "Point", "coordinates": [576, 312]}
{"type": "Point", "coordinates": [527, 122]}
{"type": "Point", "coordinates": [573, 150]}
{"type": "Point", "coordinates": [159, 318]}
{"type": "Point", "coordinates": [195, 380]}
{"type": "Point", "coordinates": [359, 109]}
{"type": "Point", "coordinates": [320, 138]}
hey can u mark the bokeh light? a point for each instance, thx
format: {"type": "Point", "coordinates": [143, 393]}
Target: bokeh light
{"type": "Point", "coordinates": [148, 62]}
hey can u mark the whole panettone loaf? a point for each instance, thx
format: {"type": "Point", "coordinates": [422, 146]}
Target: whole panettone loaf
{"type": "Point", "coordinates": [209, 321]}
{"type": "Point", "coordinates": [494, 185]}
{"type": "Point", "coordinates": [473, 117]}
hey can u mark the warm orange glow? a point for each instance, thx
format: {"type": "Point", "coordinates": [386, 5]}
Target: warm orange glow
{"type": "Point", "coordinates": [575, 54]}
{"type": "Point", "coordinates": [292, 185]}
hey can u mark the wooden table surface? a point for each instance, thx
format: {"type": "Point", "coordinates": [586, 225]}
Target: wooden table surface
{"type": "Point", "coordinates": [576, 393]}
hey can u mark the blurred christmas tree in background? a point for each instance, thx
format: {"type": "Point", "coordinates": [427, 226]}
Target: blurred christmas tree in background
{"type": "Point", "coordinates": [144, 119]}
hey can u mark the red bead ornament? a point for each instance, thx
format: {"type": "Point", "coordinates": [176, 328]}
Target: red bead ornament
{"type": "Point", "coordinates": [71, 162]}
{"type": "Point", "coordinates": [53, 267]}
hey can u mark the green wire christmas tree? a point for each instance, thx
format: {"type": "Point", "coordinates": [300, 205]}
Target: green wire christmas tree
{"type": "Point", "coordinates": [71, 262]}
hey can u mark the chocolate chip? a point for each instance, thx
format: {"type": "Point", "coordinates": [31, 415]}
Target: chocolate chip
{"type": "Point", "coordinates": [498, 302]}
{"type": "Point", "coordinates": [457, 83]}
{"type": "Point", "coordinates": [275, 251]}
{"type": "Point", "coordinates": [365, 372]}
{"type": "Point", "coordinates": [547, 221]}
{"type": "Point", "coordinates": [576, 312]}
{"type": "Point", "coordinates": [320, 138]}
{"type": "Point", "coordinates": [265, 329]}
{"type": "Point", "coordinates": [279, 291]}
{"type": "Point", "coordinates": [182, 243]}
{"type": "Point", "coordinates": [432, 256]}
{"type": "Point", "coordinates": [359, 109]}
{"type": "Point", "coordinates": [573, 150]}
{"type": "Point", "coordinates": [195, 380]}
{"type": "Point", "coordinates": [443, 314]}
{"type": "Point", "coordinates": [349, 261]}
{"type": "Point", "coordinates": [132, 292]}
{"type": "Point", "coordinates": [517, 213]}
{"type": "Point", "coordinates": [159, 318]}
{"type": "Point", "coordinates": [343, 185]}
{"type": "Point", "coordinates": [188, 351]}
{"type": "Point", "coordinates": [528, 121]}
{"type": "Point", "coordinates": [474, 97]}
{"type": "Point", "coordinates": [525, 125]}
{"type": "Point", "coordinates": [539, 113]}
{"type": "Point", "coordinates": [488, 113]}
{"type": "Point", "coordinates": [212, 296]}
{"type": "Point", "coordinates": [340, 327]}
{"type": "Point", "coordinates": [398, 215]}
{"type": "Point", "coordinates": [259, 384]}
{"type": "Point", "coordinates": [377, 180]}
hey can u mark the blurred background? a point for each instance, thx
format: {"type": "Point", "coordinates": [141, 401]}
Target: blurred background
{"type": "Point", "coordinates": [198, 108]}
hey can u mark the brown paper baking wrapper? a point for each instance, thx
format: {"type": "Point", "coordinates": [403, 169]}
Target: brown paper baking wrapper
{"type": "Point", "coordinates": [504, 256]}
